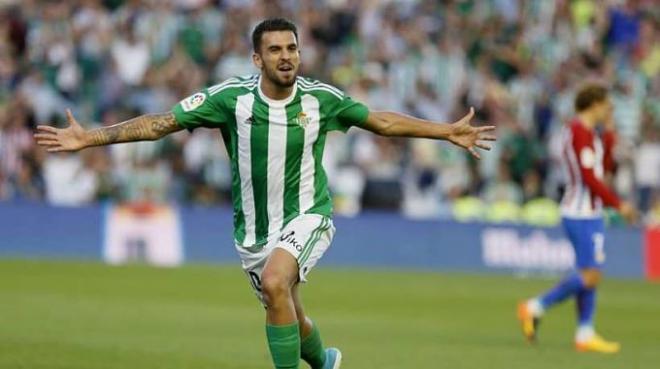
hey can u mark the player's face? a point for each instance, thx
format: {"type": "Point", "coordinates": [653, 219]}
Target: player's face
{"type": "Point", "coordinates": [604, 110]}
{"type": "Point", "coordinates": [278, 57]}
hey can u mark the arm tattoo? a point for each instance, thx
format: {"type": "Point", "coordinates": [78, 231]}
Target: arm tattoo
{"type": "Point", "coordinates": [162, 126]}
{"type": "Point", "coordinates": [143, 128]}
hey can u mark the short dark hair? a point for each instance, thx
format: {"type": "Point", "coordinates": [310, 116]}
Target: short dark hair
{"type": "Point", "coordinates": [589, 95]}
{"type": "Point", "coordinates": [271, 25]}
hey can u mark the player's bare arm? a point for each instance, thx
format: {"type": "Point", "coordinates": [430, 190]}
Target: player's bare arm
{"type": "Point", "coordinates": [147, 127]}
{"type": "Point", "coordinates": [460, 133]}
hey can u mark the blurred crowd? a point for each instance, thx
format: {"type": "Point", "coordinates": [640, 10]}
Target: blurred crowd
{"type": "Point", "coordinates": [516, 62]}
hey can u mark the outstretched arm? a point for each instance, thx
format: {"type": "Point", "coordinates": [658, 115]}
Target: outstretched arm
{"type": "Point", "coordinates": [460, 133]}
{"type": "Point", "coordinates": [74, 137]}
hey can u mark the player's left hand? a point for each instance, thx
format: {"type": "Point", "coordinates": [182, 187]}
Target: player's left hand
{"type": "Point", "coordinates": [628, 212]}
{"type": "Point", "coordinates": [469, 137]}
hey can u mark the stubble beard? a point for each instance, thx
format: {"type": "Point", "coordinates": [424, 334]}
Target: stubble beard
{"type": "Point", "coordinates": [277, 81]}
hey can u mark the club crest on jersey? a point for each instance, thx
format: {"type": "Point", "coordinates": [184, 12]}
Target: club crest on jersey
{"type": "Point", "coordinates": [302, 120]}
{"type": "Point", "coordinates": [192, 102]}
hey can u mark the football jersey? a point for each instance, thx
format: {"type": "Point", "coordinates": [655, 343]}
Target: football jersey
{"type": "Point", "coordinates": [275, 148]}
{"type": "Point", "coordinates": [582, 154]}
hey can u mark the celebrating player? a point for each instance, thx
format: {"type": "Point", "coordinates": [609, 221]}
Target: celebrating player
{"type": "Point", "coordinates": [274, 126]}
{"type": "Point", "coordinates": [582, 218]}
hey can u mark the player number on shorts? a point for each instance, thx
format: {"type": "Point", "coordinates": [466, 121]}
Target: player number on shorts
{"type": "Point", "coordinates": [599, 247]}
{"type": "Point", "coordinates": [254, 279]}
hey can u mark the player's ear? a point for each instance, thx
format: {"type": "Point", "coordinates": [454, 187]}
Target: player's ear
{"type": "Point", "coordinates": [256, 59]}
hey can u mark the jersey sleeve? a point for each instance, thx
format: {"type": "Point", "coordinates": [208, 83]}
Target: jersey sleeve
{"type": "Point", "coordinates": [200, 110]}
{"type": "Point", "coordinates": [347, 113]}
{"type": "Point", "coordinates": [583, 146]}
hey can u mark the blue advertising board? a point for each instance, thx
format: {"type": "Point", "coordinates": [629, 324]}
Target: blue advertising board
{"type": "Point", "coordinates": [372, 239]}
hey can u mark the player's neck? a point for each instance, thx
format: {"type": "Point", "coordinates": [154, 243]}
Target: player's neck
{"type": "Point", "coordinates": [273, 91]}
{"type": "Point", "coordinates": [587, 119]}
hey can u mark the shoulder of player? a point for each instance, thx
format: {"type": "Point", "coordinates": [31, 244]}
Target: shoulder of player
{"type": "Point", "coordinates": [577, 129]}
{"type": "Point", "coordinates": [576, 124]}
{"type": "Point", "coordinates": [233, 85]}
{"type": "Point", "coordinates": [580, 135]}
{"type": "Point", "coordinates": [317, 87]}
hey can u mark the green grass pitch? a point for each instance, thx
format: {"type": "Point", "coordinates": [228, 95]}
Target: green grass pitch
{"type": "Point", "coordinates": [72, 315]}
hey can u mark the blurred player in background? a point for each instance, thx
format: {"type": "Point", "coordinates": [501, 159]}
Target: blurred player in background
{"type": "Point", "coordinates": [586, 157]}
{"type": "Point", "coordinates": [274, 126]}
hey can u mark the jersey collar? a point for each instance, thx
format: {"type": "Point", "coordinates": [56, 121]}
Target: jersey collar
{"type": "Point", "coordinates": [277, 103]}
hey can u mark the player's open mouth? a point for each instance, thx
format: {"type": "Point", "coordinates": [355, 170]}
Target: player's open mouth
{"type": "Point", "coordinates": [285, 68]}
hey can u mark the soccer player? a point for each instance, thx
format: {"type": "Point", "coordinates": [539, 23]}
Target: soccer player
{"type": "Point", "coordinates": [582, 218]}
{"type": "Point", "coordinates": [274, 126]}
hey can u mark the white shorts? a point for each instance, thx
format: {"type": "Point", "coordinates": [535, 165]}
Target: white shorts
{"type": "Point", "coordinates": [306, 237]}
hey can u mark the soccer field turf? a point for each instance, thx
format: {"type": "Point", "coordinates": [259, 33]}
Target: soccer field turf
{"type": "Point", "coordinates": [86, 316]}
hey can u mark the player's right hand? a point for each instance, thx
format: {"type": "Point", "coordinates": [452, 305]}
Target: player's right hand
{"type": "Point", "coordinates": [628, 212]}
{"type": "Point", "coordinates": [71, 138]}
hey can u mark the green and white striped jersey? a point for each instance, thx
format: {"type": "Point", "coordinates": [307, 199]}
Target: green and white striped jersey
{"type": "Point", "coordinates": [275, 148]}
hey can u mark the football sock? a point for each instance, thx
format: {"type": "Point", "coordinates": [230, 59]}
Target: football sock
{"type": "Point", "coordinates": [311, 349]}
{"type": "Point", "coordinates": [586, 305]}
{"type": "Point", "coordinates": [284, 344]}
{"type": "Point", "coordinates": [584, 333]}
{"type": "Point", "coordinates": [534, 305]}
{"type": "Point", "coordinates": [567, 287]}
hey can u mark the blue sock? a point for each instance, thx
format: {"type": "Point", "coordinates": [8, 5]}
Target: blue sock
{"type": "Point", "coordinates": [571, 285]}
{"type": "Point", "coordinates": [586, 305]}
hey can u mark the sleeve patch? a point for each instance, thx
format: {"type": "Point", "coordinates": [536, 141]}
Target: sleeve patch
{"type": "Point", "coordinates": [192, 102]}
{"type": "Point", "coordinates": [587, 158]}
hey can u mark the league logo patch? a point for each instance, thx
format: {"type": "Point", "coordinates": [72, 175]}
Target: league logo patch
{"type": "Point", "coordinates": [193, 102]}
{"type": "Point", "coordinates": [588, 158]}
{"type": "Point", "coordinates": [302, 120]}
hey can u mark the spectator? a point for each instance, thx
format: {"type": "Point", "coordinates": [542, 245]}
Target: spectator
{"type": "Point", "coordinates": [130, 54]}
{"type": "Point", "coordinates": [502, 188]}
{"type": "Point", "coordinates": [647, 167]}
{"type": "Point", "coordinates": [69, 181]}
